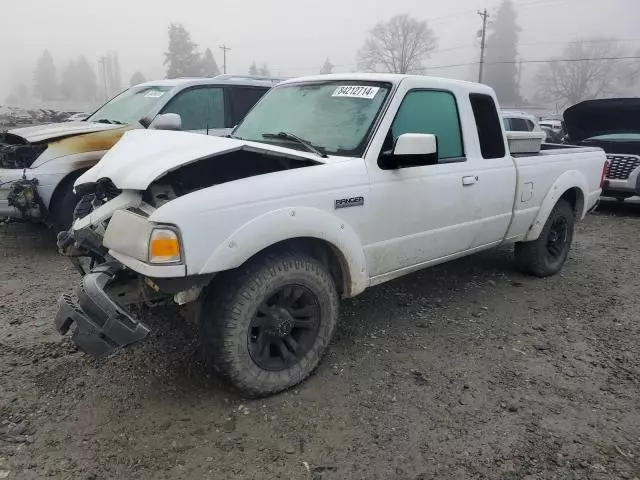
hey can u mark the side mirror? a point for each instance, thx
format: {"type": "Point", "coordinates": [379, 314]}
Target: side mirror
{"type": "Point", "coordinates": [166, 121]}
{"type": "Point", "coordinates": [412, 150]}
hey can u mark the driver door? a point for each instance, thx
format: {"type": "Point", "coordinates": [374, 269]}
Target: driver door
{"type": "Point", "coordinates": [426, 213]}
{"type": "Point", "coordinates": [201, 109]}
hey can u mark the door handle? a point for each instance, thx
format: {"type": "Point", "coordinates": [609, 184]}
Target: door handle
{"type": "Point", "coordinates": [469, 180]}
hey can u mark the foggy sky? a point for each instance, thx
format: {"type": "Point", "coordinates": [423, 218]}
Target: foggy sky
{"type": "Point", "coordinates": [292, 37]}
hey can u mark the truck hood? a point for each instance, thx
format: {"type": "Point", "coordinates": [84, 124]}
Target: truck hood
{"type": "Point", "coordinates": [51, 131]}
{"type": "Point", "coordinates": [142, 156]}
{"type": "Point", "coordinates": [593, 118]}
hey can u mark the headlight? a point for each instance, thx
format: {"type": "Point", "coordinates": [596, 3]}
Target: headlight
{"type": "Point", "coordinates": [164, 246]}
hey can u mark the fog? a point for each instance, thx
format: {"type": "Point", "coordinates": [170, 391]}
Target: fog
{"type": "Point", "coordinates": [292, 37]}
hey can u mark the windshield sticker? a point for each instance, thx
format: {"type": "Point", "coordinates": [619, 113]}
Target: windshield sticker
{"type": "Point", "coordinates": [354, 91]}
{"type": "Point", "coordinates": [154, 94]}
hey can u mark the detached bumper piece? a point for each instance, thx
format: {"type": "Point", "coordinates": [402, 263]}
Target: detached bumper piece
{"type": "Point", "coordinates": [102, 324]}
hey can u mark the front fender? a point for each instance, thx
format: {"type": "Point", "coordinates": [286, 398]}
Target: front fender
{"type": "Point", "coordinates": [286, 224]}
{"type": "Point", "coordinates": [566, 181]}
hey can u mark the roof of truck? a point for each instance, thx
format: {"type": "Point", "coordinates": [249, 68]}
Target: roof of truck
{"type": "Point", "coordinates": [377, 77]}
{"type": "Point", "coordinates": [245, 80]}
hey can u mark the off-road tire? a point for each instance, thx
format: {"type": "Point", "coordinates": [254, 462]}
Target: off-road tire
{"type": "Point", "coordinates": [63, 204]}
{"type": "Point", "coordinates": [534, 258]}
{"type": "Point", "coordinates": [232, 300]}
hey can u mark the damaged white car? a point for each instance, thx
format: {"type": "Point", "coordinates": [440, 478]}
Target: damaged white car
{"type": "Point", "coordinates": [331, 184]}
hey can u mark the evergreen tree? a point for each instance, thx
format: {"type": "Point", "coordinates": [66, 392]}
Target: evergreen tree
{"type": "Point", "coordinates": [209, 65]}
{"type": "Point", "coordinates": [253, 69]}
{"type": "Point", "coordinates": [264, 71]}
{"type": "Point", "coordinates": [183, 58]}
{"type": "Point", "coordinates": [86, 81]}
{"type": "Point", "coordinates": [45, 78]}
{"type": "Point", "coordinates": [79, 81]}
{"type": "Point", "coordinates": [501, 69]}
{"type": "Point", "coordinates": [136, 79]}
{"type": "Point", "coordinates": [326, 68]}
{"type": "Point", "coordinates": [68, 82]}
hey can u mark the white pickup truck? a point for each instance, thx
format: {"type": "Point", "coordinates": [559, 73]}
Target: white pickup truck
{"type": "Point", "coordinates": [331, 184]}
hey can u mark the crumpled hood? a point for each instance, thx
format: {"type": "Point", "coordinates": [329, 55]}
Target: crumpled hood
{"type": "Point", "coordinates": [39, 133]}
{"type": "Point", "coordinates": [602, 117]}
{"type": "Point", "coordinates": [142, 156]}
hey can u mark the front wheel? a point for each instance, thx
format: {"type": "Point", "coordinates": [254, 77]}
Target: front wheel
{"type": "Point", "coordinates": [546, 255]}
{"type": "Point", "coordinates": [64, 204]}
{"type": "Point", "coordinates": [266, 325]}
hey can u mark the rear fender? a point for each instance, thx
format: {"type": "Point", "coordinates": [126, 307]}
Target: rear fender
{"type": "Point", "coordinates": [566, 181]}
{"type": "Point", "coordinates": [290, 223]}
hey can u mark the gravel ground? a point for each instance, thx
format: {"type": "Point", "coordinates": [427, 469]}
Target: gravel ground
{"type": "Point", "coordinates": [467, 370]}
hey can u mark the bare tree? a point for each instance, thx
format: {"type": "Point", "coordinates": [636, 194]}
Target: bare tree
{"type": "Point", "coordinates": [397, 46]}
{"type": "Point", "coordinates": [589, 68]}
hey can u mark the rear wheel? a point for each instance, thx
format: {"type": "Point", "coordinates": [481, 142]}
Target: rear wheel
{"type": "Point", "coordinates": [266, 325]}
{"type": "Point", "coordinates": [546, 255]}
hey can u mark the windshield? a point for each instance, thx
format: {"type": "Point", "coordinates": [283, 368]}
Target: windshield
{"type": "Point", "coordinates": [130, 106]}
{"type": "Point", "coordinates": [334, 117]}
{"type": "Point", "coordinates": [618, 137]}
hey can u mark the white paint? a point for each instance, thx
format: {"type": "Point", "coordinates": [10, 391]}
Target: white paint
{"type": "Point", "coordinates": [141, 156]}
{"type": "Point", "coordinates": [411, 218]}
{"type": "Point", "coordinates": [416, 144]}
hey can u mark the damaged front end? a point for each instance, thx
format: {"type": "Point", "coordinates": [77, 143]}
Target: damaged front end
{"type": "Point", "coordinates": [103, 311]}
{"type": "Point", "coordinates": [15, 152]}
{"type": "Point", "coordinates": [21, 192]}
{"type": "Point", "coordinates": [23, 195]}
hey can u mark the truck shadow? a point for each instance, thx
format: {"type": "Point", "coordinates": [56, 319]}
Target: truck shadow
{"type": "Point", "coordinates": [171, 360]}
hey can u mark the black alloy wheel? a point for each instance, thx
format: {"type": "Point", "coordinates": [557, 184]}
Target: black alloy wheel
{"type": "Point", "coordinates": [284, 328]}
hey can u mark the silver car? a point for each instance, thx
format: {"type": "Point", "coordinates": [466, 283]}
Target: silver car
{"type": "Point", "coordinates": [39, 164]}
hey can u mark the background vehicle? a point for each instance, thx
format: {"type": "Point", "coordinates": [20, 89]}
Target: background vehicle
{"type": "Point", "coordinates": [519, 122]}
{"type": "Point", "coordinates": [613, 125]}
{"type": "Point", "coordinates": [555, 125]}
{"type": "Point", "coordinates": [39, 164]}
{"type": "Point", "coordinates": [77, 117]}
{"type": "Point", "coordinates": [330, 185]}
{"type": "Point", "coordinates": [552, 136]}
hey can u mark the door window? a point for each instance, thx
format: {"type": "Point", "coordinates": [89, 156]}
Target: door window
{"type": "Point", "coordinates": [199, 108]}
{"type": "Point", "coordinates": [242, 100]}
{"type": "Point", "coordinates": [434, 112]}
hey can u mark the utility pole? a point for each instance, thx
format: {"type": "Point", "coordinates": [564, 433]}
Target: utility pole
{"type": "Point", "coordinates": [224, 49]}
{"type": "Point", "coordinates": [485, 16]}
{"type": "Point", "coordinates": [103, 65]}
{"type": "Point", "coordinates": [519, 81]}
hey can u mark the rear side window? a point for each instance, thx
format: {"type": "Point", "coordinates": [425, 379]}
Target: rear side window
{"type": "Point", "coordinates": [243, 100]}
{"type": "Point", "coordinates": [199, 108]}
{"type": "Point", "coordinates": [488, 125]}
{"type": "Point", "coordinates": [519, 125]}
{"type": "Point", "coordinates": [434, 112]}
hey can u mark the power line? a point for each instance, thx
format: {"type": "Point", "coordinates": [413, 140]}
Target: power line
{"type": "Point", "coordinates": [553, 60]}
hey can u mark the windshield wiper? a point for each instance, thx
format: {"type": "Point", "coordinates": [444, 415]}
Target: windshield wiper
{"type": "Point", "coordinates": [290, 136]}
{"type": "Point", "coordinates": [106, 120]}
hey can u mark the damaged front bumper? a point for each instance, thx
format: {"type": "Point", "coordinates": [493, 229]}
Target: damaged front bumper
{"type": "Point", "coordinates": [102, 323]}
{"type": "Point", "coordinates": [19, 197]}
